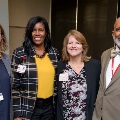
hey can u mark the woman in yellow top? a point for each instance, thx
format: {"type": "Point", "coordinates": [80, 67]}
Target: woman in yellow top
{"type": "Point", "coordinates": [34, 65]}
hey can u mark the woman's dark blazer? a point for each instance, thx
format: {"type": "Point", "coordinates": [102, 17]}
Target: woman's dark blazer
{"type": "Point", "coordinates": [92, 70]}
{"type": "Point", "coordinates": [25, 85]}
{"type": "Point", "coordinates": [6, 90]}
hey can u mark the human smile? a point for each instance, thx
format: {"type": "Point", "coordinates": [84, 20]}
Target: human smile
{"type": "Point", "coordinates": [37, 38]}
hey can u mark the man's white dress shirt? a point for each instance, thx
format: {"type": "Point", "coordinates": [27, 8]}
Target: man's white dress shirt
{"type": "Point", "coordinates": [109, 68]}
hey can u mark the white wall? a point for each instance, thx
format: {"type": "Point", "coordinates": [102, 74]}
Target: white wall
{"type": "Point", "coordinates": [20, 11]}
{"type": "Point", "coordinates": [4, 18]}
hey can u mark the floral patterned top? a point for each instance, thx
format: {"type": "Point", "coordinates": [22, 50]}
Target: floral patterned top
{"type": "Point", "coordinates": [74, 94]}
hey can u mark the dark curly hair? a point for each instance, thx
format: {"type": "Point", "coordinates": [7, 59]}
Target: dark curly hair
{"type": "Point", "coordinates": [3, 43]}
{"type": "Point", "coordinates": [28, 43]}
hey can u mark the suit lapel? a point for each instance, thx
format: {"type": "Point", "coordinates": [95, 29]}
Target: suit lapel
{"type": "Point", "coordinates": [6, 61]}
{"type": "Point", "coordinates": [117, 74]}
{"type": "Point", "coordinates": [115, 77]}
{"type": "Point", "coordinates": [88, 77]}
{"type": "Point", "coordinates": [60, 70]}
{"type": "Point", "coordinates": [105, 63]}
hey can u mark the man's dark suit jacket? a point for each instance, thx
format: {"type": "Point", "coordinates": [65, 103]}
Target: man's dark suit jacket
{"type": "Point", "coordinates": [92, 70]}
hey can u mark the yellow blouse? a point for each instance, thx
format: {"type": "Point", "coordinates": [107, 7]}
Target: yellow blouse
{"type": "Point", "coordinates": [46, 75]}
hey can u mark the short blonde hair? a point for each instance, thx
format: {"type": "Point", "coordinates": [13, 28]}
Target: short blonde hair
{"type": "Point", "coordinates": [79, 37]}
{"type": "Point", "coordinates": [3, 42]}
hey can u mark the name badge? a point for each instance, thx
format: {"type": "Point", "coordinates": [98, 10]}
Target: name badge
{"type": "Point", "coordinates": [1, 97]}
{"type": "Point", "coordinates": [21, 68]}
{"type": "Point", "coordinates": [63, 77]}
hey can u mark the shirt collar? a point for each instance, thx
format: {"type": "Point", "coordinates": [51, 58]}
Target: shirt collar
{"type": "Point", "coordinates": [117, 49]}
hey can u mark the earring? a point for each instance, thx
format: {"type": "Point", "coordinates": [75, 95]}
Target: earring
{"type": "Point", "coordinates": [0, 55]}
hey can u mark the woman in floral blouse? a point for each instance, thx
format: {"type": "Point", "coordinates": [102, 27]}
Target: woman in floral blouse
{"type": "Point", "coordinates": [78, 79]}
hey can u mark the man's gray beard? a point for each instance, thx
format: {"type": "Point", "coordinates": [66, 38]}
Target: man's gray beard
{"type": "Point", "coordinates": [116, 41]}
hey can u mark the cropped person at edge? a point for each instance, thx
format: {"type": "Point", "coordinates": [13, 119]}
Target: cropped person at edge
{"type": "Point", "coordinates": [5, 79]}
{"type": "Point", "coordinates": [107, 105]}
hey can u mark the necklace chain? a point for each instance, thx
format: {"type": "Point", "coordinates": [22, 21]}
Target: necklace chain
{"type": "Point", "coordinates": [41, 56]}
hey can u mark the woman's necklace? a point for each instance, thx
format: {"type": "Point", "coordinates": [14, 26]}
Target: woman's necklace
{"type": "Point", "coordinates": [40, 56]}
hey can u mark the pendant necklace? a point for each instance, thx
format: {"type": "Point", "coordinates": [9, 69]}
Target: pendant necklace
{"type": "Point", "coordinates": [40, 56]}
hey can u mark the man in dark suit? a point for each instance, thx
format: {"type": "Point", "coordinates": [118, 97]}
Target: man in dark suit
{"type": "Point", "coordinates": [107, 105]}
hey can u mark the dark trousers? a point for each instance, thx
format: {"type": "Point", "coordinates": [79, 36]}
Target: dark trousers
{"type": "Point", "coordinates": [43, 109]}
